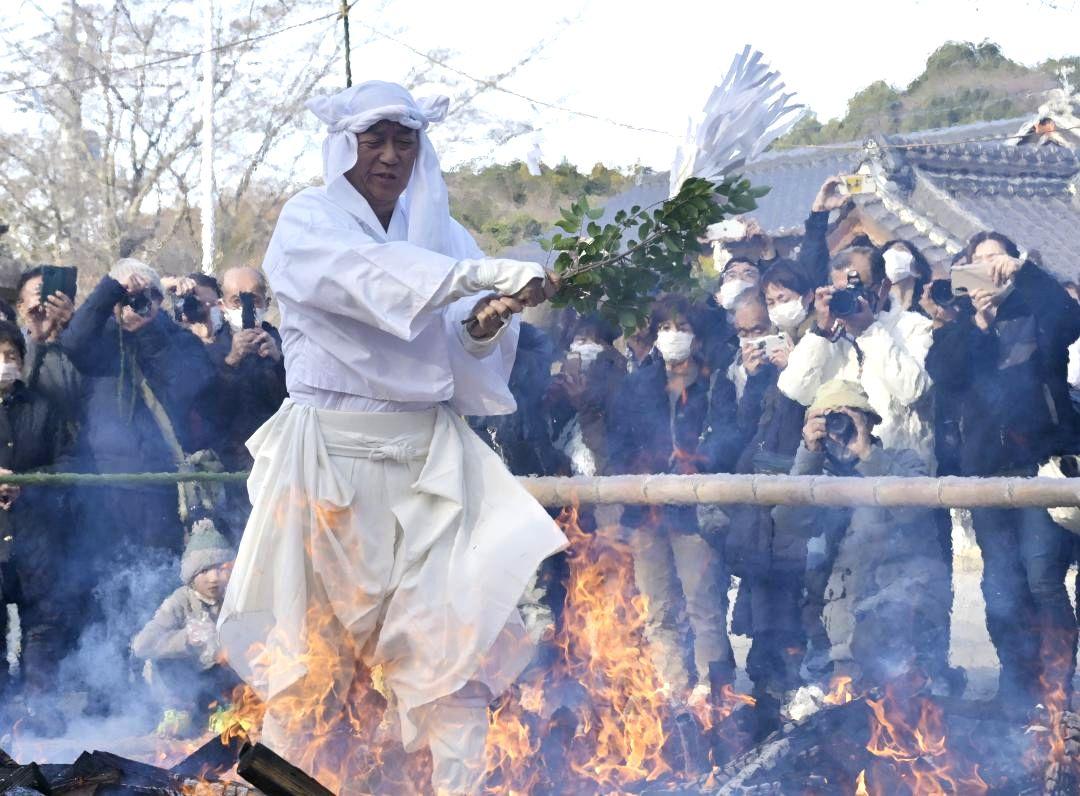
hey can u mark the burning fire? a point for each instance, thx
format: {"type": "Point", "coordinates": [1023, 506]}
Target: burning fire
{"type": "Point", "coordinates": [915, 752]}
{"type": "Point", "coordinates": [840, 691]}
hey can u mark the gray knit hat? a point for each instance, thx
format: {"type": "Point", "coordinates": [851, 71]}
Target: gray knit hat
{"type": "Point", "coordinates": [205, 549]}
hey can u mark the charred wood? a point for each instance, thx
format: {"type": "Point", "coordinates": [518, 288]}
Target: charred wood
{"type": "Point", "coordinates": [28, 776]}
{"type": "Point", "coordinates": [275, 776]}
{"type": "Point", "coordinates": [212, 759]}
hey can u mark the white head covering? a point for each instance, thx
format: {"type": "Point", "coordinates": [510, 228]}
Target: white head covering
{"type": "Point", "coordinates": [353, 111]}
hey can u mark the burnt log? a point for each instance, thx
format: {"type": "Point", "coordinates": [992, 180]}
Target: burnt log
{"type": "Point", "coordinates": [275, 776]}
{"type": "Point", "coordinates": [7, 761]}
{"type": "Point", "coordinates": [86, 772]}
{"type": "Point", "coordinates": [28, 777]}
{"type": "Point", "coordinates": [211, 760]}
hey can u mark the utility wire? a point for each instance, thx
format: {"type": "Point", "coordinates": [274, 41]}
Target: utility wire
{"type": "Point", "coordinates": [181, 56]}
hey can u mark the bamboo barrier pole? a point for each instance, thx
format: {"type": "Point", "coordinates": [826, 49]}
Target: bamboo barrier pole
{"type": "Point", "coordinates": [802, 490]}
{"type": "Point", "coordinates": [760, 490]}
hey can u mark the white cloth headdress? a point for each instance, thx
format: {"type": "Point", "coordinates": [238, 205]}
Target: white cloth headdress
{"type": "Point", "coordinates": [356, 109]}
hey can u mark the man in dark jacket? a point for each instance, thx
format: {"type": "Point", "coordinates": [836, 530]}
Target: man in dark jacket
{"type": "Point", "coordinates": [47, 369]}
{"type": "Point", "coordinates": [250, 372]}
{"type": "Point", "coordinates": [142, 375]}
{"type": "Point", "coordinates": [769, 562]}
{"type": "Point", "coordinates": [1002, 359]}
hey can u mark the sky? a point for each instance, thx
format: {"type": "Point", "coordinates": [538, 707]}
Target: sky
{"type": "Point", "coordinates": [653, 64]}
{"type": "Point", "coordinates": [647, 64]}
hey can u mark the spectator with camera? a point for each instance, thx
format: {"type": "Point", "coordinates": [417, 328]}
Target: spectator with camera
{"type": "Point", "coordinates": [769, 563]}
{"type": "Point", "coordinates": [196, 300]}
{"type": "Point", "coordinates": [861, 335]}
{"type": "Point", "coordinates": [1000, 357]}
{"type": "Point", "coordinates": [885, 612]}
{"type": "Point", "coordinates": [47, 369]}
{"type": "Point", "coordinates": [142, 375]}
{"type": "Point", "coordinates": [582, 395]}
{"type": "Point", "coordinates": [250, 372]}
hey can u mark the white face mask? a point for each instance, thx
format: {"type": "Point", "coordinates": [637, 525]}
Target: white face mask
{"type": "Point", "coordinates": [730, 291]}
{"type": "Point", "coordinates": [674, 346]}
{"type": "Point", "coordinates": [898, 264]}
{"type": "Point", "coordinates": [788, 314]}
{"type": "Point", "coordinates": [9, 374]}
{"type": "Point", "coordinates": [235, 317]}
{"type": "Point", "coordinates": [587, 350]}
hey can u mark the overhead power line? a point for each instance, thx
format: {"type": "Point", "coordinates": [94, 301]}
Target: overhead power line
{"type": "Point", "coordinates": [180, 56]}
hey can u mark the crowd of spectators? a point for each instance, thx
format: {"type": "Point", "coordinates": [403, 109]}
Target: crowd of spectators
{"type": "Point", "coordinates": [861, 363]}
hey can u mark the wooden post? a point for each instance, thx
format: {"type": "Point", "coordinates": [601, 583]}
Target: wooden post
{"type": "Point", "coordinates": [348, 49]}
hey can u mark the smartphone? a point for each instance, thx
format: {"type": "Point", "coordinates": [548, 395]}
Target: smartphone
{"type": "Point", "coordinates": [966, 279]}
{"type": "Point", "coordinates": [852, 184]}
{"type": "Point", "coordinates": [247, 310]}
{"type": "Point", "coordinates": [59, 279]}
{"type": "Point", "coordinates": [776, 342]}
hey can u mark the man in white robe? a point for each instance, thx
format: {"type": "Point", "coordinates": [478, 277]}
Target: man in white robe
{"type": "Point", "coordinates": [383, 531]}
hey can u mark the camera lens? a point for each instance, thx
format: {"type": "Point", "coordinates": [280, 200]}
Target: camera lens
{"type": "Point", "coordinates": [843, 303]}
{"type": "Point", "coordinates": [941, 292]}
{"type": "Point", "coordinates": [840, 426]}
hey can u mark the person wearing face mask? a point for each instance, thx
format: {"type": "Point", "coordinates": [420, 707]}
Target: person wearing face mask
{"type": "Point", "coordinates": [739, 276]}
{"type": "Point", "coordinates": [1000, 357]}
{"type": "Point", "coordinates": [32, 438]}
{"type": "Point", "coordinates": [908, 271]}
{"type": "Point", "coordinates": [768, 562]}
{"type": "Point", "coordinates": [581, 396]}
{"type": "Point", "coordinates": [196, 300]}
{"type": "Point", "coordinates": [249, 369]}
{"type": "Point", "coordinates": [790, 299]}
{"type": "Point", "coordinates": [884, 607]}
{"type": "Point", "coordinates": [861, 335]}
{"type": "Point", "coordinates": [674, 415]}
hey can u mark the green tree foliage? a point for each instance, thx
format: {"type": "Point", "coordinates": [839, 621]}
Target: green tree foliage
{"type": "Point", "coordinates": [617, 268]}
{"type": "Point", "coordinates": [503, 205]}
{"type": "Point", "coordinates": [962, 83]}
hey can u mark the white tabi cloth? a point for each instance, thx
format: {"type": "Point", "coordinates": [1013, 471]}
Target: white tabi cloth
{"type": "Point", "coordinates": [413, 533]}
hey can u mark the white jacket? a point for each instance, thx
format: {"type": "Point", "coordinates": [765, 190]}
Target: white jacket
{"type": "Point", "coordinates": [893, 373]}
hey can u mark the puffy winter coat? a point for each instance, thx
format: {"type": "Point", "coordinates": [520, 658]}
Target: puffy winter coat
{"type": "Point", "coordinates": [892, 371]}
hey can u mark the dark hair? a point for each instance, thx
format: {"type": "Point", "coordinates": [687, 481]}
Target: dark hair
{"type": "Point", "coordinates": [862, 240]}
{"type": "Point", "coordinates": [921, 266]}
{"type": "Point", "coordinates": [670, 306]}
{"type": "Point", "coordinates": [7, 312]}
{"type": "Point", "coordinates": [204, 280]}
{"type": "Point", "coordinates": [842, 261]}
{"type": "Point", "coordinates": [600, 328]}
{"type": "Point", "coordinates": [27, 275]}
{"type": "Point", "coordinates": [786, 273]}
{"type": "Point", "coordinates": [736, 261]}
{"type": "Point", "coordinates": [10, 333]}
{"type": "Point", "coordinates": [1010, 248]}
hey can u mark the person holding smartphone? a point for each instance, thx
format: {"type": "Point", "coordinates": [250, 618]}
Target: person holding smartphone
{"type": "Point", "coordinates": [1001, 359]}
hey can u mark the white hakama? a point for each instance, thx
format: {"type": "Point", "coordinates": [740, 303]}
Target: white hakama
{"type": "Point", "coordinates": [383, 531]}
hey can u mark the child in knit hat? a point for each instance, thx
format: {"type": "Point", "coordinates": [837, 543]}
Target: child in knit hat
{"type": "Point", "coordinates": [180, 643]}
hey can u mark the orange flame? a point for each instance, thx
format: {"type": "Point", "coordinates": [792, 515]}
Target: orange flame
{"type": "Point", "coordinates": [918, 750]}
{"type": "Point", "coordinates": [860, 784]}
{"type": "Point", "coordinates": [840, 691]}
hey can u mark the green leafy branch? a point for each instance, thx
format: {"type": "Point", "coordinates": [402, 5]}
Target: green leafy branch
{"type": "Point", "coordinates": [602, 272]}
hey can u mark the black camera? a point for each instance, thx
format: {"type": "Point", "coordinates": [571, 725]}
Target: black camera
{"type": "Point", "coordinates": [191, 309]}
{"type": "Point", "coordinates": [141, 303]}
{"type": "Point", "coordinates": [840, 426]}
{"type": "Point", "coordinates": [846, 302]}
{"type": "Point", "coordinates": [941, 292]}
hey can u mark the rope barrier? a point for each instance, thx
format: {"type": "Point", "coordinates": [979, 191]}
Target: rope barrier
{"type": "Point", "coordinates": [685, 490]}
